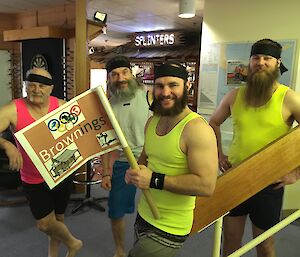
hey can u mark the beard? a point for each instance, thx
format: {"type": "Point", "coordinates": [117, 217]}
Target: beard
{"type": "Point", "coordinates": [124, 93]}
{"type": "Point", "coordinates": [179, 104]}
{"type": "Point", "coordinates": [259, 86]}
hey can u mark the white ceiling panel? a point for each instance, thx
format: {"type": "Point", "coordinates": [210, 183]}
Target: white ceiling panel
{"type": "Point", "coordinates": [123, 17]}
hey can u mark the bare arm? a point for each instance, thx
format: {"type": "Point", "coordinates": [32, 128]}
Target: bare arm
{"type": "Point", "coordinates": [202, 158]}
{"type": "Point", "coordinates": [222, 112]}
{"type": "Point", "coordinates": [199, 143]}
{"type": "Point", "coordinates": [290, 113]}
{"type": "Point", "coordinates": [143, 157]}
{"type": "Point", "coordinates": [61, 102]}
{"type": "Point", "coordinates": [8, 117]}
{"type": "Point", "coordinates": [106, 175]}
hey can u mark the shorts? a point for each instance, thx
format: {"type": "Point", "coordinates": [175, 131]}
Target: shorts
{"type": "Point", "coordinates": [42, 200]}
{"type": "Point", "coordinates": [121, 196]}
{"type": "Point", "coordinates": [153, 242]}
{"type": "Point", "coordinates": [264, 208]}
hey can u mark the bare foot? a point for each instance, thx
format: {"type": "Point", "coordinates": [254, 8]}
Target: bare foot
{"type": "Point", "coordinates": [75, 248]}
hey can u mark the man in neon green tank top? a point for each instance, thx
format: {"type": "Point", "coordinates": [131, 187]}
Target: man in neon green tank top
{"type": "Point", "coordinates": [261, 111]}
{"type": "Point", "coordinates": [178, 162]}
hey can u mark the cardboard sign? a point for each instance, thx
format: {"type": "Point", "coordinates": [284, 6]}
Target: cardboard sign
{"type": "Point", "coordinates": [65, 139]}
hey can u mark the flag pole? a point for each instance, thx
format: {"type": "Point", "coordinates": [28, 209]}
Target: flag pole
{"type": "Point", "coordinates": [131, 159]}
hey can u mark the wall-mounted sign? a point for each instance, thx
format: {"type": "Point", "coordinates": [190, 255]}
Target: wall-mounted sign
{"type": "Point", "coordinates": [158, 39]}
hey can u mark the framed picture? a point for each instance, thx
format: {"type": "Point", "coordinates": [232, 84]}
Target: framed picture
{"type": "Point", "coordinates": [236, 73]}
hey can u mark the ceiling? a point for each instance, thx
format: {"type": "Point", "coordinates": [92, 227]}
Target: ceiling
{"type": "Point", "coordinates": [123, 17]}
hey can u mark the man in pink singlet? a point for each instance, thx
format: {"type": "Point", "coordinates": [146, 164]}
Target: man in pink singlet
{"type": "Point", "coordinates": [47, 206]}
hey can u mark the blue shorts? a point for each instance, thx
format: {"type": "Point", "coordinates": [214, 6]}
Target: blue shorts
{"type": "Point", "coordinates": [121, 196]}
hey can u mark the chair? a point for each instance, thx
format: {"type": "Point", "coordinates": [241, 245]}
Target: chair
{"type": "Point", "coordinates": [88, 200]}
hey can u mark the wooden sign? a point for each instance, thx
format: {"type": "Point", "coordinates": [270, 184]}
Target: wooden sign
{"type": "Point", "coordinates": [252, 175]}
{"type": "Point", "coordinates": [66, 138]}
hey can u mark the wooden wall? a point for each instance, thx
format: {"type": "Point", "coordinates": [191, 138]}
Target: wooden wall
{"type": "Point", "coordinates": [61, 16]}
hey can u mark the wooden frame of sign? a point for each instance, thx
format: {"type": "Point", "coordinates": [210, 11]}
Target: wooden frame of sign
{"type": "Point", "coordinates": [252, 175]}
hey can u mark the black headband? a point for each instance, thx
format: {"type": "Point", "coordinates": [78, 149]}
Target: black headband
{"type": "Point", "coordinates": [117, 64]}
{"type": "Point", "coordinates": [271, 50]}
{"type": "Point", "coordinates": [170, 69]}
{"type": "Point", "coordinates": [40, 79]}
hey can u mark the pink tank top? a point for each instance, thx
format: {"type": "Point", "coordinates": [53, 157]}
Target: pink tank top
{"type": "Point", "coordinates": [29, 173]}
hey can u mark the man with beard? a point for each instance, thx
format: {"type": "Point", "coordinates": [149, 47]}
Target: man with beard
{"type": "Point", "coordinates": [261, 111]}
{"type": "Point", "coordinates": [130, 106]}
{"type": "Point", "coordinates": [178, 162]}
{"type": "Point", "coordinates": [47, 206]}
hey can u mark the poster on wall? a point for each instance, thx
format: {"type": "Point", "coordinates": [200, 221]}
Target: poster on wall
{"type": "Point", "coordinates": [66, 138]}
{"type": "Point", "coordinates": [236, 73]}
{"type": "Point", "coordinates": [223, 68]}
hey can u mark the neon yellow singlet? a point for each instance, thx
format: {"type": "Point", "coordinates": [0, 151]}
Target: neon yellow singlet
{"type": "Point", "coordinates": [254, 128]}
{"type": "Point", "coordinates": [165, 156]}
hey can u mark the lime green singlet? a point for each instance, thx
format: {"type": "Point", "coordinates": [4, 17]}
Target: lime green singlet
{"type": "Point", "coordinates": [255, 127]}
{"type": "Point", "coordinates": [165, 156]}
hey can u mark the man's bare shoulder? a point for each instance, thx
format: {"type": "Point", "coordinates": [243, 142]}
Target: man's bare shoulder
{"type": "Point", "coordinates": [9, 108]}
{"type": "Point", "coordinates": [8, 114]}
{"type": "Point", "coordinates": [61, 102]}
{"type": "Point", "coordinates": [196, 128]}
{"type": "Point", "coordinates": [229, 98]}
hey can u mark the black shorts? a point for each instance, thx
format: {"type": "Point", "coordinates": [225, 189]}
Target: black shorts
{"type": "Point", "coordinates": [42, 200]}
{"type": "Point", "coordinates": [264, 208]}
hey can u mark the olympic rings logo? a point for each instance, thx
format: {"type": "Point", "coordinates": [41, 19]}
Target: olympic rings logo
{"type": "Point", "coordinates": [66, 120]}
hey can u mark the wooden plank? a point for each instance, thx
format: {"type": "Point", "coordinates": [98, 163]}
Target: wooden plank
{"type": "Point", "coordinates": [240, 183]}
{"type": "Point", "coordinates": [35, 32]}
{"type": "Point", "coordinates": [81, 48]}
{"type": "Point", "coordinates": [94, 29]}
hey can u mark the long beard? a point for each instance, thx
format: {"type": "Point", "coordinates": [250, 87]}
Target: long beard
{"type": "Point", "coordinates": [124, 93]}
{"type": "Point", "coordinates": [259, 86]}
{"type": "Point", "coordinates": [177, 108]}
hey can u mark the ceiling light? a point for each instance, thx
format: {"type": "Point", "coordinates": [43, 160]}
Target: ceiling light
{"type": "Point", "coordinates": [99, 16]}
{"type": "Point", "coordinates": [187, 8]}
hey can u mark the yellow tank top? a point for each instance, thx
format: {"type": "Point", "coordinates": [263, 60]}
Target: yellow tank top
{"type": "Point", "coordinates": [254, 128]}
{"type": "Point", "coordinates": [165, 156]}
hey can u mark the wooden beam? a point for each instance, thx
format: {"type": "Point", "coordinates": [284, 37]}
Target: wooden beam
{"type": "Point", "coordinates": [81, 49]}
{"type": "Point", "coordinates": [240, 183]}
{"type": "Point", "coordinates": [35, 32]}
{"type": "Point", "coordinates": [94, 29]}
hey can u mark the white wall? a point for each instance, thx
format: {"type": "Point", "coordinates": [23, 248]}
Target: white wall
{"type": "Point", "coordinates": [241, 20]}
{"type": "Point", "coordinates": [5, 78]}
{"type": "Point", "coordinates": [244, 21]}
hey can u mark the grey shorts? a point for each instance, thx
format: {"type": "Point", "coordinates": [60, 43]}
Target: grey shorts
{"type": "Point", "coordinates": [152, 242]}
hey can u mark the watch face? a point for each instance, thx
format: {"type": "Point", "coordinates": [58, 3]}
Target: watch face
{"type": "Point", "coordinates": [39, 61]}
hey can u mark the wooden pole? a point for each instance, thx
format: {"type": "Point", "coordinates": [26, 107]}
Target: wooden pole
{"type": "Point", "coordinates": [131, 159]}
{"type": "Point", "coordinates": [252, 175]}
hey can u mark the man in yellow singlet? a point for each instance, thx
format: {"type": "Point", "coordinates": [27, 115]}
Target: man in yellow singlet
{"type": "Point", "coordinates": [261, 111]}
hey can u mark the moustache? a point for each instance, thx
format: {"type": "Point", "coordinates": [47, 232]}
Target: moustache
{"type": "Point", "coordinates": [168, 97]}
{"type": "Point", "coordinates": [119, 83]}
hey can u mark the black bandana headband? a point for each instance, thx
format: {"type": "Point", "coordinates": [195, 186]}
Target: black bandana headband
{"type": "Point", "coordinates": [172, 69]}
{"type": "Point", "coordinates": [117, 63]}
{"type": "Point", "coordinates": [271, 50]}
{"type": "Point", "coordinates": [39, 79]}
